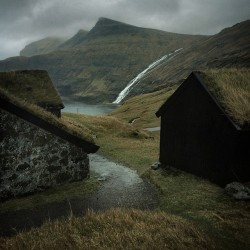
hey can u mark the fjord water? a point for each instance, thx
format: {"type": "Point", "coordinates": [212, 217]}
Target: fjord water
{"type": "Point", "coordinates": [88, 109]}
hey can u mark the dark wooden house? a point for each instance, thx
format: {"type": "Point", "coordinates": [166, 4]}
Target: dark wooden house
{"type": "Point", "coordinates": [33, 86]}
{"type": "Point", "coordinates": [205, 126]}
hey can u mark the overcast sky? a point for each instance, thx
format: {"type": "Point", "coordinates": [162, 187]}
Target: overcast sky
{"type": "Point", "coordinates": [24, 21]}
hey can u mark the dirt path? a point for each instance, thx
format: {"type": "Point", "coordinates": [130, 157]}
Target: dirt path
{"type": "Point", "coordinates": [121, 187]}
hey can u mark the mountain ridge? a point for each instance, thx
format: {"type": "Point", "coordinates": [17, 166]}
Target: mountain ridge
{"type": "Point", "coordinates": [72, 42]}
{"type": "Point", "coordinates": [112, 53]}
{"type": "Point", "coordinates": [226, 49]}
{"type": "Point", "coordinates": [42, 46]}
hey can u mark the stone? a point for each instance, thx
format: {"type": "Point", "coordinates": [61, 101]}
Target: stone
{"type": "Point", "coordinates": [156, 165]}
{"type": "Point", "coordinates": [23, 166]}
{"type": "Point", "coordinates": [63, 177]}
{"type": "Point", "coordinates": [238, 191]}
{"type": "Point", "coordinates": [28, 167]}
{"type": "Point", "coordinates": [54, 168]}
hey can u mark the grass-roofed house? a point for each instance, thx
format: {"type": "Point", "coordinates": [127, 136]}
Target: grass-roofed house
{"type": "Point", "coordinates": [34, 86]}
{"type": "Point", "coordinates": [37, 149]}
{"type": "Point", "coordinates": [205, 126]}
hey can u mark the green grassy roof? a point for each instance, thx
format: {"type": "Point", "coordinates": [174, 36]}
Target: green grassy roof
{"type": "Point", "coordinates": [231, 88]}
{"type": "Point", "coordinates": [34, 86]}
{"type": "Point", "coordinates": [66, 125]}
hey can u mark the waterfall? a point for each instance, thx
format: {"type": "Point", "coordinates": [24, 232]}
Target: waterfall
{"type": "Point", "coordinates": [145, 72]}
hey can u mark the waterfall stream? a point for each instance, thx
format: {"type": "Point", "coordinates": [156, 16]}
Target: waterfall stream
{"type": "Point", "coordinates": [145, 72]}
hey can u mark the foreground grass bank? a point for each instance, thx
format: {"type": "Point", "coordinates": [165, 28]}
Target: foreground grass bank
{"type": "Point", "coordinates": [114, 229]}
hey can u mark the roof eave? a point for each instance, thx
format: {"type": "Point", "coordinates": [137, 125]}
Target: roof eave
{"type": "Point", "coordinates": [236, 126]}
{"type": "Point", "coordinates": [87, 146]}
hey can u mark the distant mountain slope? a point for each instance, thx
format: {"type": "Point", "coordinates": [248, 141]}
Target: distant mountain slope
{"type": "Point", "coordinates": [77, 39]}
{"type": "Point", "coordinates": [99, 65]}
{"type": "Point", "coordinates": [42, 46]}
{"type": "Point", "coordinates": [229, 48]}
{"type": "Point", "coordinates": [96, 66]}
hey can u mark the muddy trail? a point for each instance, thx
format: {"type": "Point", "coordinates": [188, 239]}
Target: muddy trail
{"type": "Point", "coordinates": [121, 187]}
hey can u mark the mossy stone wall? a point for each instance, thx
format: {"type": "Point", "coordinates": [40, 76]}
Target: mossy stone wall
{"type": "Point", "coordinates": [32, 159]}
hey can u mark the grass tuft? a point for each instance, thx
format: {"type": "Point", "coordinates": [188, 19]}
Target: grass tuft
{"type": "Point", "coordinates": [231, 88]}
{"type": "Point", "coordinates": [33, 86]}
{"type": "Point", "coordinates": [62, 123]}
{"type": "Point", "coordinates": [114, 229]}
{"type": "Point", "coordinates": [144, 108]}
{"type": "Point", "coordinates": [195, 199]}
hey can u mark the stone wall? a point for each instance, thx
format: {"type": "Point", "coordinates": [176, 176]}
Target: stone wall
{"type": "Point", "coordinates": [32, 159]}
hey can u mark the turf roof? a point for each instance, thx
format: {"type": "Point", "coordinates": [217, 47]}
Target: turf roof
{"type": "Point", "coordinates": [34, 86]}
{"type": "Point", "coordinates": [231, 88]}
{"type": "Point", "coordinates": [80, 136]}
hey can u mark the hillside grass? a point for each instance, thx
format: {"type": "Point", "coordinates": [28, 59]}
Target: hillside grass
{"type": "Point", "coordinates": [62, 123]}
{"type": "Point", "coordinates": [114, 229]}
{"type": "Point", "coordinates": [34, 86]}
{"type": "Point", "coordinates": [143, 108]}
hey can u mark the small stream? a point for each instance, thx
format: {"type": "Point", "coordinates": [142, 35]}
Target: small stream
{"type": "Point", "coordinates": [121, 187]}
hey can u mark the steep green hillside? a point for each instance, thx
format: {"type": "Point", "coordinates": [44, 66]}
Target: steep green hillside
{"type": "Point", "coordinates": [77, 39]}
{"type": "Point", "coordinates": [227, 49]}
{"type": "Point", "coordinates": [95, 66]}
{"type": "Point", "coordinates": [99, 65]}
{"type": "Point", "coordinates": [42, 46]}
{"type": "Point", "coordinates": [140, 110]}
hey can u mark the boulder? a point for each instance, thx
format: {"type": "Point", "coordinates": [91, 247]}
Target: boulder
{"type": "Point", "coordinates": [238, 191]}
{"type": "Point", "coordinates": [156, 165]}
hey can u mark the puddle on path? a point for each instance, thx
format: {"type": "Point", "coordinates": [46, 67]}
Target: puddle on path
{"type": "Point", "coordinates": [154, 129]}
{"type": "Point", "coordinates": [121, 187]}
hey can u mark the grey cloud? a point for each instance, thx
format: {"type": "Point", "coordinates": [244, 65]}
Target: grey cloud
{"type": "Point", "coordinates": [12, 10]}
{"type": "Point", "coordinates": [157, 7]}
{"type": "Point", "coordinates": [29, 20]}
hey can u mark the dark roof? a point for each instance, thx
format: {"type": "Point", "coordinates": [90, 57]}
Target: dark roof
{"type": "Point", "coordinates": [34, 86]}
{"type": "Point", "coordinates": [230, 90]}
{"type": "Point", "coordinates": [45, 120]}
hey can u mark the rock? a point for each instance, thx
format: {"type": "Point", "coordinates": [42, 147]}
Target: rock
{"type": "Point", "coordinates": [102, 179]}
{"type": "Point", "coordinates": [131, 121]}
{"type": "Point", "coordinates": [156, 165]}
{"type": "Point", "coordinates": [27, 167]}
{"type": "Point", "coordinates": [238, 191]}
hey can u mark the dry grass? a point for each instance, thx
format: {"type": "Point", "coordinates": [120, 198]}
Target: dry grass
{"type": "Point", "coordinates": [54, 194]}
{"type": "Point", "coordinates": [103, 126]}
{"type": "Point", "coordinates": [33, 86]}
{"type": "Point", "coordinates": [201, 202]}
{"type": "Point", "coordinates": [64, 124]}
{"type": "Point", "coordinates": [143, 106]}
{"type": "Point", "coordinates": [138, 154]}
{"type": "Point", "coordinates": [231, 88]}
{"type": "Point", "coordinates": [114, 229]}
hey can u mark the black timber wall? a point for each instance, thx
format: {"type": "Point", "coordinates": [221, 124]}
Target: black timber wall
{"type": "Point", "coordinates": [197, 137]}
